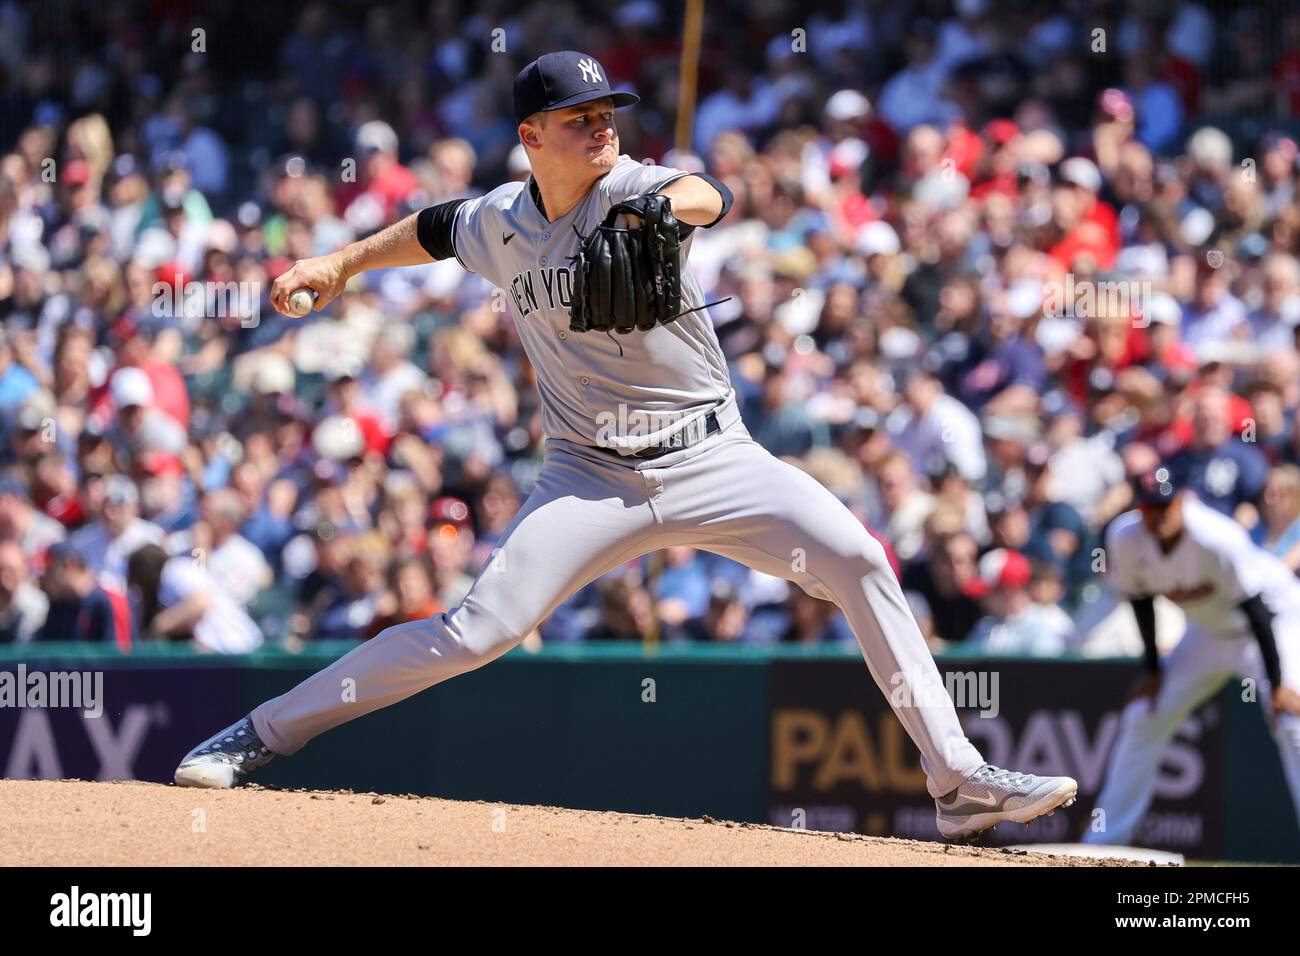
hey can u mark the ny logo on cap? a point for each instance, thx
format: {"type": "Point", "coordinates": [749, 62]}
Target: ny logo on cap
{"type": "Point", "coordinates": [590, 70]}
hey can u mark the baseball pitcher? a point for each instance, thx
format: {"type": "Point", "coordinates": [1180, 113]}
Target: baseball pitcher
{"type": "Point", "coordinates": [1243, 620]}
{"type": "Point", "coordinates": [645, 448]}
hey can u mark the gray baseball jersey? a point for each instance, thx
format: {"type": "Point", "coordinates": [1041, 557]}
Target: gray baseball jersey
{"type": "Point", "coordinates": [591, 511]}
{"type": "Point", "coordinates": [660, 378]}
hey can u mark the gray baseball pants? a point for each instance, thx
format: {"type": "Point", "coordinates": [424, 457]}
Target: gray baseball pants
{"type": "Point", "coordinates": [590, 513]}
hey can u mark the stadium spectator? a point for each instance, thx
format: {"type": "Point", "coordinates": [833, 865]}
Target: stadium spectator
{"type": "Point", "coordinates": [270, 508]}
{"type": "Point", "coordinates": [1273, 324]}
{"type": "Point", "coordinates": [1057, 534]}
{"type": "Point", "coordinates": [1281, 369]}
{"type": "Point", "coordinates": [1215, 315]}
{"type": "Point", "coordinates": [234, 562]}
{"type": "Point", "coordinates": [382, 185]}
{"type": "Point", "coordinates": [166, 492]}
{"type": "Point", "coordinates": [409, 596]}
{"type": "Point", "coordinates": [941, 582]}
{"type": "Point", "coordinates": [389, 374]}
{"type": "Point", "coordinates": [1009, 439]}
{"type": "Point", "coordinates": [54, 491]}
{"type": "Point", "coordinates": [1173, 361]}
{"type": "Point", "coordinates": [140, 425]}
{"type": "Point", "coordinates": [682, 588]}
{"type": "Point", "coordinates": [79, 609]}
{"type": "Point", "coordinates": [1008, 517]}
{"type": "Point", "coordinates": [16, 381]}
{"type": "Point", "coordinates": [497, 507]}
{"type": "Point", "coordinates": [724, 619]}
{"type": "Point", "coordinates": [936, 428]}
{"type": "Point", "coordinates": [452, 163]}
{"type": "Point", "coordinates": [902, 229]}
{"type": "Point", "coordinates": [958, 506]}
{"type": "Point", "coordinates": [346, 608]}
{"type": "Point", "coordinates": [23, 605]}
{"type": "Point", "coordinates": [626, 610]}
{"type": "Point", "coordinates": [316, 559]}
{"type": "Point", "coordinates": [1279, 528]}
{"type": "Point", "coordinates": [914, 95]}
{"type": "Point", "coordinates": [1270, 426]}
{"type": "Point", "coordinates": [1004, 372]}
{"type": "Point", "coordinates": [906, 504]}
{"type": "Point", "coordinates": [813, 621]}
{"type": "Point", "coordinates": [1014, 623]}
{"type": "Point", "coordinates": [451, 548]}
{"type": "Point", "coordinates": [179, 601]}
{"type": "Point", "coordinates": [1226, 473]}
{"type": "Point", "coordinates": [20, 522]}
{"type": "Point", "coordinates": [1156, 105]}
{"type": "Point", "coordinates": [115, 532]}
{"type": "Point", "coordinates": [402, 517]}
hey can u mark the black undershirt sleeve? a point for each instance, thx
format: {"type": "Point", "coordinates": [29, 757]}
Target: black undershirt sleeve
{"type": "Point", "coordinates": [1261, 622]}
{"type": "Point", "coordinates": [684, 229]}
{"type": "Point", "coordinates": [433, 228]}
{"type": "Point", "coordinates": [1144, 609]}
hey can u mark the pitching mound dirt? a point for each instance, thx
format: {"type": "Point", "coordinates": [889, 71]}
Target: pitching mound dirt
{"type": "Point", "coordinates": [76, 823]}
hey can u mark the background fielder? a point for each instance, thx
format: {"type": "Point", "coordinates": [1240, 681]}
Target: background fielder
{"type": "Point", "coordinates": [698, 480]}
{"type": "Point", "coordinates": [1243, 620]}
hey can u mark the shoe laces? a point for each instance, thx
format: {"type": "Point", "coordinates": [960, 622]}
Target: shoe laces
{"type": "Point", "coordinates": [1007, 778]}
{"type": "Point", "coordinates": [243, 744]}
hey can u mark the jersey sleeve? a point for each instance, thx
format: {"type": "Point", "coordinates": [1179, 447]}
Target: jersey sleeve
{"type": "Point", "coordinates": [1121, 566]}
{"type": "Point", "coordinates": [633, 178]}
{"type": "Point", "coordinates": [466, 230]}
{"type": "Point", "coordinates": [1235, 566]}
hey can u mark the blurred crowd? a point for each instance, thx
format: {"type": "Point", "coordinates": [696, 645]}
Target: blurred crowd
{"type": "Point", "coordinates": [986, 263]}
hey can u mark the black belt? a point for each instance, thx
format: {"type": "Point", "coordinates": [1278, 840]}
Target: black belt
{"type": "Point", "coordinates": [676, 442]}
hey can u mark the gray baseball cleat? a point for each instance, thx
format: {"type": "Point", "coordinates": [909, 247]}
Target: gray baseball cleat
{"type": "Point", "coordinates": [226, 759]}
{"type": "Point", "coordinates": [991, 796]}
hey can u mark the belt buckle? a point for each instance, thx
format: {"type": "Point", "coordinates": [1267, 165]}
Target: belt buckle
{"type": "Point", "coordinates": [651, 451]}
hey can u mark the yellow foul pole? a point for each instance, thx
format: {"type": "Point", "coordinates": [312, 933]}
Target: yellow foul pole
{"type": "Point", "coordinates": [688, 86]}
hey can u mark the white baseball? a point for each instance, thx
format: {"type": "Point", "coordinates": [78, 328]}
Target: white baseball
{"type": "Point", "coordinates": [300, 302]}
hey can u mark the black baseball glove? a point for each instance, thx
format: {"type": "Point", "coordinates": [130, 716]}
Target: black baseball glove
{"type": "Point", "coordinates": [626, 279]}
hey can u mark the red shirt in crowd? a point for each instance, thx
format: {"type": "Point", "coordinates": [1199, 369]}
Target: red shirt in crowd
{"type": "Point", "coordinates": [169, 394]}
{"type": "Point", "coordinates": [1097, 235]}
{"type": "Point", "coordinates": [391, 188]}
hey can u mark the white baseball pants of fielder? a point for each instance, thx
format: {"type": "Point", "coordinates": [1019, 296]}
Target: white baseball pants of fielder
{"type": "Point", "coordinates": [1196, 669]}
{"type": "Point", "coordinates": [589, 514]}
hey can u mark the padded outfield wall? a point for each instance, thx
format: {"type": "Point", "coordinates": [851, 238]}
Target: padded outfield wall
{"type": "Point", "coordinates": [785, 736]}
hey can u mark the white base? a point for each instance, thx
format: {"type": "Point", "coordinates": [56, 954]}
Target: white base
{"type": "Point", "coordinates": [1098, 852]}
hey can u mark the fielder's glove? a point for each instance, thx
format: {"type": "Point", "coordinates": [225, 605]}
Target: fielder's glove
{"type": "Point", "coordinates": [626, 279]}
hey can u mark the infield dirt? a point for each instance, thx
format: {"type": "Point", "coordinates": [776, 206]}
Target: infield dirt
{"type": "Point", "coordinates": [80, 823]}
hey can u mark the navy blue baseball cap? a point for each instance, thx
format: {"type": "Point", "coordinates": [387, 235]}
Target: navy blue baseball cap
{"type": "Point", "coordinates": [66, 552]}
{"type": "Point", "coordinates": [557, 80]}
{"type": "Point", "coordinates": [1156, 487]}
